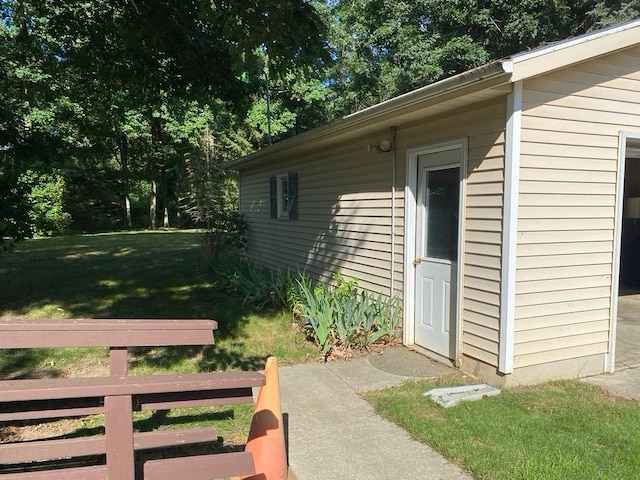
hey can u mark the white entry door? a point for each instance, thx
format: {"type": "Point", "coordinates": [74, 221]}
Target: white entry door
{"type": "Point", "coordinates": [436, 256]}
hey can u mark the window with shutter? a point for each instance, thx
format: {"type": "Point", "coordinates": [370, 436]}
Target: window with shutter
{"type": "Point", "coordinates": [283, 193]}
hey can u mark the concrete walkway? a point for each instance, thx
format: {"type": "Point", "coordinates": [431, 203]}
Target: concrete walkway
{"type": "Point", "coordinates": [334, 434]}
{"type": "Point", "coordinates": [624, 383]}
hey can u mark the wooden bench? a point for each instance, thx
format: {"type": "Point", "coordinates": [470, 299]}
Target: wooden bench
{"type": "Point", "coordinates": [116, 397]}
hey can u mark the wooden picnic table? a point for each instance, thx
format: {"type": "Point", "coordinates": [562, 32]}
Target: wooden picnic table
{"type": "Point", "coordinates": [117, 396]}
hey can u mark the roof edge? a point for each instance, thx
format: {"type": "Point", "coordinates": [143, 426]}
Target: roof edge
{"type": "Point", "coordinates": [519, 66]}
{"type": "Point", "coordinates": [575, 41]}
{"type": "Point", "coordinates": [565, 53]}
{"type": "Point", "coordinates": [410, 99]}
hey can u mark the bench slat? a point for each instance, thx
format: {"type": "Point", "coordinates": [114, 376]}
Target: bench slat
{"type": "Point", "coordinates": [111, 324]}
{"type": "Point", "coordinates": [105, 338]}
{"type": "Point", "coordinates": [201, 467]}
{"type": "Point", "coordinates": [30, 333]}
{"type": "Point", "coordinates": [33, 412]}
{"type": "Point", "coordinates": [94, 472]}
{"type": "Point", "coordinates": [169, 438]}
{"type": "Point", "coordinates": [51, 449]}
{"type": "Point", "coordinates": [58, 388]}
{"type": "Point", "coordinates": [194, 399]}
{"type": "Point", "coordinates": [43, 409]}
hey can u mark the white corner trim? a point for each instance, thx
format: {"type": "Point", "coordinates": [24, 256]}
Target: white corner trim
{"type": "Point", "coordinates": [510, 229]}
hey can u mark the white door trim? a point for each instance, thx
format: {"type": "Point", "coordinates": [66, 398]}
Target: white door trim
{"type": "Point", "coordinates": [410, 205]}
{"type": "Point", "coordinates": [610, 356]}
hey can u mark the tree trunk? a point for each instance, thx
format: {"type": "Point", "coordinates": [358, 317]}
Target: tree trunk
{"type": "Point", "coordinates": [124, 170]}
{"type": "Point", "coordinates": [164, 195]}
{"type": "Point", "coordinates": [153, 166]}
{"type": "Point", "coordinates": [127, 212]}
{"type": "Point", "coordinates": [153, 202]}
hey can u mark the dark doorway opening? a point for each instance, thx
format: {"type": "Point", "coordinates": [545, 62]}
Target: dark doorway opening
{"type": "Point", "coordinates": [628, 318]}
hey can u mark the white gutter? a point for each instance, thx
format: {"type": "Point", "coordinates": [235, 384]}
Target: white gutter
{"type": "Point", "coordinates": [392, 280]}
{"type": "Point", "coordinates": [411, 100]}
{"type": "Point", "coordinates": [510, 229]}
{"type": "Point", "coordinates": [521, 66]}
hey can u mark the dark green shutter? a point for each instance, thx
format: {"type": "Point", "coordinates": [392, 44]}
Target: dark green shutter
{"type": "Point", "coordinates": [293, 195]}
{"type": "Point", "coordinates": [273, 196]}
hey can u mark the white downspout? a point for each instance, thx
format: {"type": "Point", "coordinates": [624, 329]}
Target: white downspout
{"type": "Point", "coordinates": [392, 132]}
{"type": "Point", "coordinates": [510, 229]}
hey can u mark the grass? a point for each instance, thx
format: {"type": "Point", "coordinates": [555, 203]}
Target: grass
{"type": "Point", "coordinates": [145, 274]}
{"type": "Point", "coordinates": [560, 430]}
{"type": "Point", "coordinates": [563, 430]}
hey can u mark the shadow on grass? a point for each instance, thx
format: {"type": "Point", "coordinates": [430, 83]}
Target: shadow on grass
{"type": "Point", "coordinates": [122, 275]}
{"type": "Point", "coordinates": [23, 363]}
{"type": "Point", "coordinates": [209, 358]}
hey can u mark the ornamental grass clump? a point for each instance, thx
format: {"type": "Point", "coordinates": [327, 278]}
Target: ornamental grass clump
{"type": "Point", "coordinates": [337, 317]}
{"type": "Point", "coordinates": [341, 316]}
{"type": "Point", "coordinates": [257, 285]}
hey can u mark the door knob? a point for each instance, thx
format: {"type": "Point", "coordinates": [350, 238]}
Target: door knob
{"type": "Point", "coordinates": [417, 260]}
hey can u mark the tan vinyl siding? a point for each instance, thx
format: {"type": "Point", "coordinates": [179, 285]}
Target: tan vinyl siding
{"type": "Point", "coordinates": [567, 194]}
{"type": "Point", "coordinates": [344, 215]}
{"type": "Point", "coordinates": [345, 206]}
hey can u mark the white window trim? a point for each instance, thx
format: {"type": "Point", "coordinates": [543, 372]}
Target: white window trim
{"type": "Point", "coordinates": [282, 212]}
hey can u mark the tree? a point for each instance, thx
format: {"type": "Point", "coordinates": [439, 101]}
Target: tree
{"type": "Point", "coordinates": [137, 103]}
{"type": "Point", "coordinates": [89, 83]}
{"type": "Point", "coordinates": [383, 48]}
{"type": "Point", "coordinates": [35, 116]}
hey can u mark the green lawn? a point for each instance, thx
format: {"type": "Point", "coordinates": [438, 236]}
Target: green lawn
{"type": "Point", "coordinates": [567, 430]}
{"type": "Point", "coordinates": [561, 430]}
{"type": "Point", "coordinates": [142, 275]}
{"type": "Point", "coordinates": [139, 275]}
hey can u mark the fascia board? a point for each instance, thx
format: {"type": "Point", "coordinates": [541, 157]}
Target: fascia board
{"type": "Point", "coordinates": [570, 52]}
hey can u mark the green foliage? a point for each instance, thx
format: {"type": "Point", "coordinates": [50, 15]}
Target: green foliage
{"type": "Point", "coordinates": [14, 211]}
{"type": "Point", "coordinates": [343, 316]}
{"type": "Point", "coordinates": [122, 91]}
{"type": "Point", "coordinates": [46, 196]}
{"type": "Point", "coordinates": [257, 285]}
{"type": "Point", "coordinates": [139, 103]}
{"type": "Point", "coordinates": [207, 141]}
{"type": "Point", "coordinates": [318, 307]}
{"type": "Point", "coordinates": [382, 48]}
{"type": "Point", "coordinates": [226, 238]}
{"type": "Point", "coordinates": [339, 316]}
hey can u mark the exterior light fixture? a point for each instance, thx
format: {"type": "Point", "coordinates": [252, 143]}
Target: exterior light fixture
{"type": "Point", "coordinates": [385, 146]}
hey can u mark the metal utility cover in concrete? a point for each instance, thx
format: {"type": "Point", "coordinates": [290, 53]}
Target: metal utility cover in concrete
{"type": "Point", "coordinates": [450, 396]}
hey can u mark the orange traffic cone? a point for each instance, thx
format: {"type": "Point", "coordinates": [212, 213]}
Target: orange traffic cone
{"type": "Point", "coordinates": [266, 433]}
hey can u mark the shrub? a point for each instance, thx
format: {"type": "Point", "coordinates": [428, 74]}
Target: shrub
{"type": "Point", "coordinates": [343, 316]}
{"type": "Point", "coordinates": [46, 195]}
{"type": "Point", "coordinates": [257, 285]}
{"type": "Point", "coordinates": [338, 316]}
{"type": "Point", "coordinates": [227, 236]}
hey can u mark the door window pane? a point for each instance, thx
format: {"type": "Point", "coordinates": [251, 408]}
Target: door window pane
{"type": "Point", "coordinates": [441, 211]}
